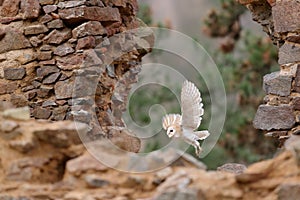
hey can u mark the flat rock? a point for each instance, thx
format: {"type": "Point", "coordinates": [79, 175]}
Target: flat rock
{"type": "Point", "coordinates": [35, 29]}
{"type": "Point", "coordinates": [70, 62]}
{"type": "Point", "coordinates": [13, 40]}
{"type": "Point", "coordinates": [51, 78]}
{"type": "Point", "coordinates": [14, 73]}
{"type": "Point", "coordinates": [277, 84]}
{"type": "Point", "coordinates": [23, 56]}
{"type": "Point", "coordinates": [179, 194]}
{"type": "Point", "coordinates": [84, 163]}
{"type": "Point", "coordinates": [35, 41]}
{"type": "Point", "coordinates": [57, 37]}
{"type": "Point", "coordinates": [46, 70]}
{"type": "Point", "coordinates": [274, 117]}
{"type": "Point", "coordinates": [89, 28]}
{"type": "Point", "coordinates": [24, 144]}
{"type": "Point", "coordinates": [289, 191]}
{"type": "Point", "coordinates": [64, 49]}
{"type": "Point", "coordinates": [7, 126]}
{"type": "Point", "coordinates": [95, 181]}
{"type": "Point", "coordinates": [289, 53]}
{"type": "Point", "coordinates": [10, 8]}
{"type": "Point", "coordinates": [41, 113]}
{"type": "Point", "coordinates": [49, 8]}
{"type": "Point", "coordinates": [55, 24]}
{"type": "Point", "coordinates": [85, 85]}
{"type": "Point", "coordinates": [79, 14]}
{"type": "Point", "coordinates": [30, 9]}
{"type": "Point", "coordinates": [64, 89]}
{"type": "Point", "coordinates": [17, 113]}
{"type": "Point", "coordinates": [286, 21]}
{"type": "Point", "coordinates": [44, 91]}
{"type": "Point", "coordinates": [71, 4]}
{"type": "Point", "coordinates": [59, 113]}
{"type": "Point", "coordinates": [49, 103]}
{"type": "Point", "coordinates": [46, 2]}
{"type": "Point", "coordinates": [234, 168]}
{"type": "Point", "coordinates": [7, 88]}
{"type": "Point", "coordinates": [45, 19]}
{"type": "Point", "coordinates": [88, 42]}
{"type": "Point", "coordinates": [45, 55]}
{"type": "Point", "coordinates": [60, 134]}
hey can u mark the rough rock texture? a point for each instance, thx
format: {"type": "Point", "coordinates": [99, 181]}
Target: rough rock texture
{"type": "Point", "coordinates": [274, 117]}
{"type": "Point", "coordinates": [280, 20]}
{"type": "Point", "coordinates": [46, 160]}
{"type": "Point", "coordinates": [53, 51]}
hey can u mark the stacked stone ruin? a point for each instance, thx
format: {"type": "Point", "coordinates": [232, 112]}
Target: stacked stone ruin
{"type": "Point", "coordinates": [279, 116]}
{"type": "Point", "coordinates": [53, 51]}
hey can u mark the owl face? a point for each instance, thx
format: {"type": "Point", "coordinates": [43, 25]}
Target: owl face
{"type": "Point", "coordinates": [171, 131]}
{"type": "Point", "coordinates": [171, 123]}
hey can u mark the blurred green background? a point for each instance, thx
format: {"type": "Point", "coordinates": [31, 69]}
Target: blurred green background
{"type": "Point", "coordinates": [243, 54]}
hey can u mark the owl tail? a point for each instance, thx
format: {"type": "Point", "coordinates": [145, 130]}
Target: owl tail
{"type": "Point", "coordinates": [202, 134]}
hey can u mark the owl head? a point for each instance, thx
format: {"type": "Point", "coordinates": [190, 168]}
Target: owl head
{"type": "Point", "coordinates": [171, 123]}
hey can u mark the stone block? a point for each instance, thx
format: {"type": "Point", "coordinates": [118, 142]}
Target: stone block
{"type": "Point", "coordinates": [274, 117]}
{"type": "Point", "coordinates": [296, 103]}
{"type": "Point", "coordinates": [289, 191]}
{"type": "Point", "coordinates": [88, 42]}
{"type": "Point", "coordinates": [45, 55]}
{"type": "Point", "coordinates": [13, 40]}
{"type": "Point", "coordinates": [71, 4]}
{"type": "Point", "coordinates": [80, 14]}
{"type": "Point", "coordinates": [10, 8]}
{"type": "Point", "coordinates": [84, 163]}
{"type": "Point", "coordinates": [46, 70]}
{"type": "Point", "coordinates": [8, 87]}
{"type": "Point", "coordinates": [286, 21]}
{"type": "Point", "coordinates": [277, 84]}
{"type": "Point", "coordinates": [60, 134]}
{"type": "Point", "coordinates": [63, 50]}
{"type": "Point", "coordinates": [14, 73]}
{"type": "Point", "coordinates": [58, 37]}
{"type": "Point", "coordinates": [30, 9]}
{"type": "Point", "coordinates": [51, 78]}
{"type": "Point", "coordinates": [41, 113]}
{"type": "Point", "coordinates": [44, 91]}
{"type": "Point", "coordinates": [70, 62]}
{"type": "Point", "coordinates": [88, 28]}
{"type": "Point", "coordinates": [46, 2]}
{"type": "Point", "coordinates": [64, 89]}
{"type": "Point", "coordinates": [46, 18]}
{"type": "Point", "coordinates": [85, 85]}
{"type": "Point", "coordinates": [49, 8]}
{"type": "Point", "coordinates": [289, 53]}
{"type": "Point", "coordinates": [35, 29]}
{"type": "Point", "coordinates": [55, 24]}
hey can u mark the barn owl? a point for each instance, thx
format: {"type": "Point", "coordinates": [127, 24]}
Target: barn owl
{"type": "Point", "coordinates": [184, 125]}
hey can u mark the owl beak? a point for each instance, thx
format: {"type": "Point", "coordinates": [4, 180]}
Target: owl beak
{"type": "Point", "coordinates": [170, 134]}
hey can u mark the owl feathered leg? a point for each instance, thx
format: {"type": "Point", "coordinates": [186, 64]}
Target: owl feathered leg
{"type": "Point", "coordinates": [195, 144]}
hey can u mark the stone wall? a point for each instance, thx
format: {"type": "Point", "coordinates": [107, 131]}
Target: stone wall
{"type": "Point", "coordinates": [53, 51]}
{"type": "Point", "coordinates": [42, 160]}
{"type": "Point", "coordinates": [279, 116]}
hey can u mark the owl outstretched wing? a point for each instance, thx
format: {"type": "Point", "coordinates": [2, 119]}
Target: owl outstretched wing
{"type": "Point", "coordinates": [191, 106]}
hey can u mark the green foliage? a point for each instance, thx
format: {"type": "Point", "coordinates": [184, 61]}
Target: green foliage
{"type": "Point", "coordinates": [147, 96]}
{"type": "Point", "coordinates": [145, 14]}
{"type": "Point", "coordinates": [242, 70]}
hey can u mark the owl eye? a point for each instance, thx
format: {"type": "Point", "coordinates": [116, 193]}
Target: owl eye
{"type": "Point", "coordinates": [171, 130]}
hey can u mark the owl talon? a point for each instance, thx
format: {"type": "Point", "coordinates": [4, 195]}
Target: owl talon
{"type": "Point", "coordinates": [198, 150]}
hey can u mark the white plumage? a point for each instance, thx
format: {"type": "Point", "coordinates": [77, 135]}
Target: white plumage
{"type": "Point", "coordinates": [184, 125]}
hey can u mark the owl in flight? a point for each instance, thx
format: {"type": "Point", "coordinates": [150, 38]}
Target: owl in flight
{"type": "Point", "coordinates": [184, 125]}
